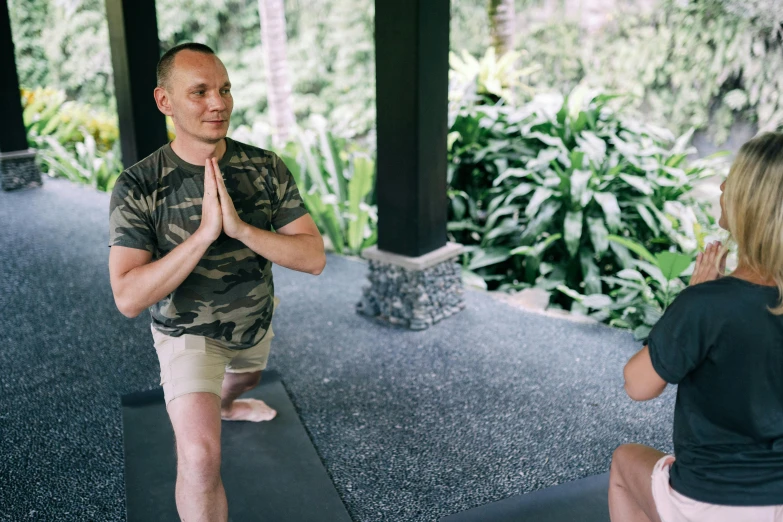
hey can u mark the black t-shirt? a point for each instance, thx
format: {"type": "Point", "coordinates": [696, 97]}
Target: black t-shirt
{"type": "Point", "coordinates": [724, 349]}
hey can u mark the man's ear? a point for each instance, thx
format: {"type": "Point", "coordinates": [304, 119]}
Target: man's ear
{"type": "Point", "coordinates": [162, 99]}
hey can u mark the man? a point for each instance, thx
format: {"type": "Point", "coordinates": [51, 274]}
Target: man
{"type": "Point", "coordinates": [191, 231]}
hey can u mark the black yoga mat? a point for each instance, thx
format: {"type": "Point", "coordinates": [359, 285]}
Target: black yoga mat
{"type": "Point", "coordinates": [270, 470]}
{"type": "Point", "coordinates": [583, 500]}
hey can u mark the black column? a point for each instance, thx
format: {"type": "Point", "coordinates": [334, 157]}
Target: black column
{"type": "Point", "coordinates": [412, 66]}
{"type": "Point", "coordinates": [13, 136]}
{"type": "Point", "coordinates": [135, 50]}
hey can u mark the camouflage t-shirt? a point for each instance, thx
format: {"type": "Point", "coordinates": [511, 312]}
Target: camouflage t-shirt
{"type": "Point", "coordinates": [156, 205]}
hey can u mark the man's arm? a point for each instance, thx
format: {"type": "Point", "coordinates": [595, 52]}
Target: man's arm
{"type": "Point", "coordinates": [297, 246]}
{"type": "Point", "coordinates": [137, 284]}
{"type": "Point", "coordinates": [642, 382]}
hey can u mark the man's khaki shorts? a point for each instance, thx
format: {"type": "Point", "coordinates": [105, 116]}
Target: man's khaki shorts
{"type": "Point", "coordinates": [192, 363]}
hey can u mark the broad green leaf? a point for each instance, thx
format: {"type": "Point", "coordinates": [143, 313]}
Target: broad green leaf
{"type": "Point", "coordinates": [471, 278]}
{"type": "Point", "coordinates": [573, 294]}
{"type": "Point", "coordinates": [591, 275]}
{"type": "Point", "coordinates": [631, 274]}
{"type": "Point", "coordinates": [593, 146]}
{"type": "Point", "coordinates": [623, 254]}
{"type": "Point", "coordinates": [641, 332]}
{"type": "Point", "coordinates": [579, 181]}
{"type": "Point", "coordinates": [633, 246]}
{"type": "Point", "coordinates": [681, 145]}
{"type": "Point", "coordinates": [458, 207]}
{"type": "Point", "coordinates": [488, 256]}
{"type": "Point", "coordinates": [640, 184]}
{"type": "Point", "coordinates": [540, 223]}
{"type": "Point", "coordinates": [523, 189]}
{"type": "Point", "coordinates": [576, 157]}
{"type": "Point", "coordinates": [506, 227]}
{"type": "Point", "coordinates": [576, 101]}
{"type": "Point", "coordinates": [648, 218]}
{"type": "Point", "coordinates": [537, 249]}
{"type": "Point", "coordinates": [580, 123]}
{"type": "Point", "coordinates": [456, 226]}
{"type": "Point", "coordinates": [510, 173]}
{"type": "Point", "coordinates": [541, 194]}
{"type": "Point", "coordinates": [654, 272]}
{"type": "Point", "coordinates": [451, 138]}
{"type": "Point", "coordinates": [552, 141]}
{"type": "Point", "coordinates": [611, 208]}
{"type": "Point", "coordinates": [359, 187]}
{"type": "Point", "coordinates": [598, 235]}
{"type": "Point", "coordinates": [597, 301]}
{"type": "Point", "coordinates": [573, 231]}
{"type": "Point", "coordinates": [544, 158]}
{"type": "Point", "coordinates": [672, 264]}
{"type": "Point", "coordinates": [651, 315]}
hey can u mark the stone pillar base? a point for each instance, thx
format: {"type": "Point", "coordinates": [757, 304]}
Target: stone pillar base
{"type": "Point", "coordinates": [414, 292]}
{"type": "Point", "coordinates": [18, 170]}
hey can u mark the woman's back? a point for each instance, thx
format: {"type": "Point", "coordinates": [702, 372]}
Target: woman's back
{"type": "Point", "coordinates": [721, 345]}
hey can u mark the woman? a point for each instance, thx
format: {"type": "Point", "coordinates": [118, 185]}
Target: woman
{"type": "Point", "coordinates": [721, 341]}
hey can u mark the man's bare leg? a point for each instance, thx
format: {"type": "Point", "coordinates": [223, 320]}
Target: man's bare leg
{"type": "Point", "coordinates": [200, 496]}
{"type": "Point", "coordinates": [254, 410]}
{"type": "Point", "coordinates": [630, 484]}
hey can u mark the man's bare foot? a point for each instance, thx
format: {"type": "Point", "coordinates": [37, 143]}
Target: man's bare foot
{"type": "Point", "coordinates": [251, 410]}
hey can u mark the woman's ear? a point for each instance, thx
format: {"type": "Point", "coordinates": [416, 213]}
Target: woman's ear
{"type": "Point", "coordinates": [163, 101]}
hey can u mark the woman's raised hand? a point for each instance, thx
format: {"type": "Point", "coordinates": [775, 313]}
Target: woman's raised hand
{"type": "Point", "coordinates": [708, 267]}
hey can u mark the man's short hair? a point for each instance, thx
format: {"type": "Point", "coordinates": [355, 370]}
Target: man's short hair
{"type": "Point", "coordinates": [166, 62]}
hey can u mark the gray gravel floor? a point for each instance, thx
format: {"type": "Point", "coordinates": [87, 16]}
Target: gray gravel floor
{"type": "Point", "coordinates": [411, 426]}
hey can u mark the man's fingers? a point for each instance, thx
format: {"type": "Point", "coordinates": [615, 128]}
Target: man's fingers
{"type": "Point", "coordinates": [209, 177]}
{"type": "Point", "coordinates": [221, 186]}
{"type": "Point", "coordinates": [218, 174]}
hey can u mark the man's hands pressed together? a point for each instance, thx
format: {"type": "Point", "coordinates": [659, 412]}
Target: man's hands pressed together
{"type": "Point", "coordinates": [233, 225]}
{"type": "Point", "coordinates": [211, 213]}
{"type": "Point", "coordinates": [218, 213]}
{"type": "Point", "coordinates": [297, 245]}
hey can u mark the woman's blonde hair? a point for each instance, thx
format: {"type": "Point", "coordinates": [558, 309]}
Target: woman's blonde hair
{"type": "Point", "coordinates": [753, 199]}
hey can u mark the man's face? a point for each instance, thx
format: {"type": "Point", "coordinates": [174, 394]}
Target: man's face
{"type": "Point", "coordinates": [199, 95]}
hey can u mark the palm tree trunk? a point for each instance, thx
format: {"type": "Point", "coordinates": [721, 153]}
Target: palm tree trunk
{"type": "Point", "coordinates": [273, 42]}
{"type": "Point", "coordinates": [501, 25]}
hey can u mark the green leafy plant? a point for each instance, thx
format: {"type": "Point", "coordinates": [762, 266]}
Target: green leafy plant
{"type": "Point", "coordinates": [46, 113]}
{"type": "Point", "coordinates": [86, 165]}
{"type": "Point", "coordinates": [491, 77]}
{"type": "Point", "coordinates": [638, 295]}
{"type": "Point", "coordinates": [703, 64]}
{"type": "Point", "coordinates": [336, 183]}
{"type": "Point", "coordinates": [546, 194]}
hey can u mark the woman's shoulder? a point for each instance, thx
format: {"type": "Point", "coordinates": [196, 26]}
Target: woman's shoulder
{"type": "Point", "coordinates": [727, 291]}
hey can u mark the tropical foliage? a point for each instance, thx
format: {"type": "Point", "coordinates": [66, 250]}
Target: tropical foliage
{"type": "Point", "coordinates": [560, 191]}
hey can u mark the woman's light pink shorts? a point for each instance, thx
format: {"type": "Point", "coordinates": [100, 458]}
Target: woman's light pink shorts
{"type": "Point", "coordinates": [675, 507]}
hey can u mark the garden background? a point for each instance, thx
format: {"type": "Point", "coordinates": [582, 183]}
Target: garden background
{"type": "Point", "coordinates": [586, 138]}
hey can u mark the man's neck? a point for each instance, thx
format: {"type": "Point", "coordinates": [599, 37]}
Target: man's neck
{"type": "Point", "coordinates": [198, 152]}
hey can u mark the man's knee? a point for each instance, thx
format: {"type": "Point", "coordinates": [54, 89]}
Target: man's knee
{"type": "Point", "coordinates": [247, 381]}
{"type": "Point", "coordinates": [199, 461]}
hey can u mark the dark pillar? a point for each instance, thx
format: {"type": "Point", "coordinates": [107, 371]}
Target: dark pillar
{"type": "Point", "coordinates": [414, 279]}
{"type": "Point", "coordinates": [17, 162]}
{"type": "Point", "coordinates": [412, 76]}
{"type": "Point", "coordinates": [135, 51]}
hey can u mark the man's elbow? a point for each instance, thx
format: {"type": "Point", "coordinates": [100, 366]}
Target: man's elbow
{"type": "Point", "coordinates": [125, 309]}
